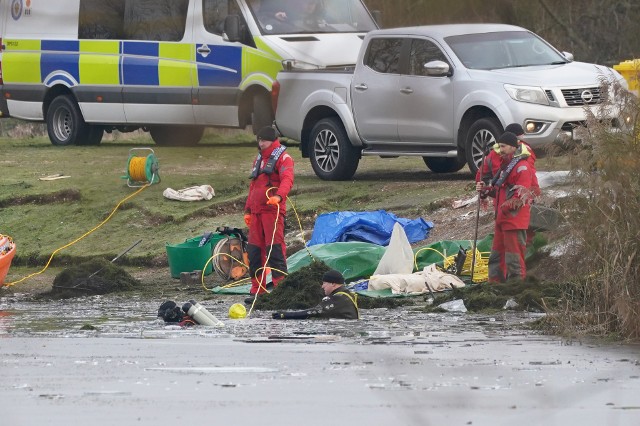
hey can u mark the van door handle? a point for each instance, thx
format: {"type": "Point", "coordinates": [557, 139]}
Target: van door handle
{"type": "Point", "coordinates": [407, 90]}
{"type": "Point", "coordinates": [361, 86]}
{"type": "Point", "coordinates": [204, 50]}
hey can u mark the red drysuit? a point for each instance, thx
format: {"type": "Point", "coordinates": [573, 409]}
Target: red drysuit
{"type": "Point", "coordinates": [275, 170]}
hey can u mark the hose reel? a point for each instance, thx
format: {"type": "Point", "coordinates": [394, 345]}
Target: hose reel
{"type": "Point", "coordinates": [142, 171]}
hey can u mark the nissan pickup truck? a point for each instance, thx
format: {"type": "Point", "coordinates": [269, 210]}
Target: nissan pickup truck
{"type": "Point", "coordinates": [443, 93]}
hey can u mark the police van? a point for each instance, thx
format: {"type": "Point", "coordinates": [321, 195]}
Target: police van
{"type": "Point", "coordinates": [170, 67]}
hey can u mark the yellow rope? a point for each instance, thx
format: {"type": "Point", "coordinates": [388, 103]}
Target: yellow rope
{"type": "Point", "coordinates": [137, 169]}
{"type": "Point", "coordinates": [80, 238]}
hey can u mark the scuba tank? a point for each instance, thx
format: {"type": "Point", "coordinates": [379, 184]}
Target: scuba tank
{"type": "Point", "coordinates": [200, 314]}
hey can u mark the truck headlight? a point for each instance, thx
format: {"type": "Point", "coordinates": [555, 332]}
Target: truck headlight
{"type": "Point", "coordinates": [532, 95]}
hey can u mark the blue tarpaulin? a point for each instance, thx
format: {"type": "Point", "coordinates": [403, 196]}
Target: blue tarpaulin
{"type": "Point", "coordinates": [371, 227]}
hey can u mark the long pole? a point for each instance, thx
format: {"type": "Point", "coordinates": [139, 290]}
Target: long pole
{"type": "Point", "coordinates": [475, 236]}
{"type": "Point", "coordinates": [117, 257]}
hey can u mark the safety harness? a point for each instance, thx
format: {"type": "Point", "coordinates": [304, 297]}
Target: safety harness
{"type": "Point", "coordinates": [271, 162]}
{"type": "Point", "coordinates": [354, 300]}
{"type": "Point", "coordinates": [500, 178]}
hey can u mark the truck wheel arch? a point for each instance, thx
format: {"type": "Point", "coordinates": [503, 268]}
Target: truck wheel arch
{"type": "Point", "coordinates": [472, 120]}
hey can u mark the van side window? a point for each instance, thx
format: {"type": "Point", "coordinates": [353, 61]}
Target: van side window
{"type": "Point", "coordinates": [216, 11]}
{"type": "Point", "coordinates": [423, 51]}
{"type": "Point", "coordinates": [100, 19]}
{"type": "Point", "coordinates": [383, 55]}
{"type": "Point", "coordinates": [156, 20]}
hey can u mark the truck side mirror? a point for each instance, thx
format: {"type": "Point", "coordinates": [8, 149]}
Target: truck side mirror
{"type": "Point", "coordinates": [437, 69]}
{"type": "Point", "coordinates": [568, 55]}
{"type": "Point", "coordinates": [232, 28]}
{"type": "Point", "coordinates": [377, 16]}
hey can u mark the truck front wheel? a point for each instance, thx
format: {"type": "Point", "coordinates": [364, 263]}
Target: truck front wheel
{"type": "Point", "coordinates": [331, 153]}
{"type": "Point", "coordinates": [65, 124]}
{"type": "Point", "coordinates": [483, 133]}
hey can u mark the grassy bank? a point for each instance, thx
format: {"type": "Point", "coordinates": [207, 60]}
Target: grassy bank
{"type": "Point", "coordinates": [42, 216]}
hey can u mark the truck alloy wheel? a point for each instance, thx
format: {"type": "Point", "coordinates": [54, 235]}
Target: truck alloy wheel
{"type": "Point", "coordinates": [331, 153]}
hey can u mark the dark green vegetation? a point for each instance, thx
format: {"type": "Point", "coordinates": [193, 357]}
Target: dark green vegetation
{"type": "Point", "coordinates": [95, 276]}
{"type": "Point", "coordinates": [529, 295]}
{"type": "Point", "coordinates": [599, 31]}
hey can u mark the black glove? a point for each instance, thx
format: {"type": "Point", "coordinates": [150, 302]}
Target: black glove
{"type": "Point", "coordinates": [277, 315]}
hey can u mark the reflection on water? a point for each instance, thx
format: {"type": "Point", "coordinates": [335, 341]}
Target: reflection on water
{"type": "Point", "coordinates": [134, 317]}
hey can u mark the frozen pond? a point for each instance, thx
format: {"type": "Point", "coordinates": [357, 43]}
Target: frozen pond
{"type": "Point", "coordinates": [394, 367]}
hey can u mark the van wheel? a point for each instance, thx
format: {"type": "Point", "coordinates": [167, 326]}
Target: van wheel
{"type": "Point", "coordinates": [176, 135]}
{"type": "Point", "coordinates": [482, 133]}
{"type": "Point", "coordinates": [262, 113]}
{"type": "Point", "coordinates": [94, 135]}
{"type": "Point", "coordinates": [443, 164]}
{"type": "Point", "coordinates": [331, 153]}
{"type": "Point", "coordinates": [65, 124]}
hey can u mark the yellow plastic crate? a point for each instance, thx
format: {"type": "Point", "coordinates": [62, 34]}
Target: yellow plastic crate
{"type": "Point", "coordinates": [629, 70]}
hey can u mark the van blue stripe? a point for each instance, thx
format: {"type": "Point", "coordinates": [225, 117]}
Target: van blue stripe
{"type": "Point", "coordinates": [209, 73]}
{"type": "Point", "coordinates": [140, 63]}
{"type": "Point", "coordinates": [140, 71]}
{"type": "Point", "coordinates": [140, 48]}
{"type": "Point", "coordinates": [55, 62]}
{"type": "Point", "coordinates": [60, 45]}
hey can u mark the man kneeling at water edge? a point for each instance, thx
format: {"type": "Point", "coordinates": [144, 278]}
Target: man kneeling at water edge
{"type": "Point", "coordinates": [338, 303]}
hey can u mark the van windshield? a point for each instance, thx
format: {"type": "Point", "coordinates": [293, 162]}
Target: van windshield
{"type": "Point", "coordinates": [311, 16]}
{"type": "Point", "coordinates": [504, 49]}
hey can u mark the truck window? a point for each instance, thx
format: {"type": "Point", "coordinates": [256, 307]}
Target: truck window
{"type": "Point", "coordinates": [383, 55]}
{"type": "Point", "coordinates": [156, 20]}
{"type": "Point", "coordinates": [423, 51]}
{"type": "Point", "coordinates": [503, 49]}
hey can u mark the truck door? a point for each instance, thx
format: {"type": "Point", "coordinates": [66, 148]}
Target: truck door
{"type": "Point", "coordinates": [425, 113]}
{"type": "Point", "coordinates": [374, 91]}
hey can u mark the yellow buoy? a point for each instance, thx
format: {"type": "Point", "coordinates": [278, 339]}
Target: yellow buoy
{"type": "Point", "coordinates": [237, 311]}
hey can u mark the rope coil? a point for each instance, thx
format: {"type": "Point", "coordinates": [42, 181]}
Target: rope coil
{"type": "Point", "coordinates": [142, 171]}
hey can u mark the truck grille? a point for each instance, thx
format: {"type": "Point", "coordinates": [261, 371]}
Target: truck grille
{"type": "Point", "coordinates": [583, 96]}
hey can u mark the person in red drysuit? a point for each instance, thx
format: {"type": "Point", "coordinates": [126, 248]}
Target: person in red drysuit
{"type": "Point", "coordinates": [512, 191]}
{"type": "Point", "coordinates": [265, 209]}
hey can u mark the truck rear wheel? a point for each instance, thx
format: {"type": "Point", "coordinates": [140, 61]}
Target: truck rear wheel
{"type": "Point", "coordinates": [483, 133]}
{"type": "Point", "coordinates": [443, 164]}
{"type": "Point", "coordinates": [331, 153]}
{"type": "Point", "coordinates": [65, 124]}
{"type": "Point", "coordinates": [176, 135]}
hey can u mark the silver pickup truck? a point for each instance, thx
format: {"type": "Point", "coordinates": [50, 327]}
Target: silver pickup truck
{"type": "Point", "coordinates": [439, 92]}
